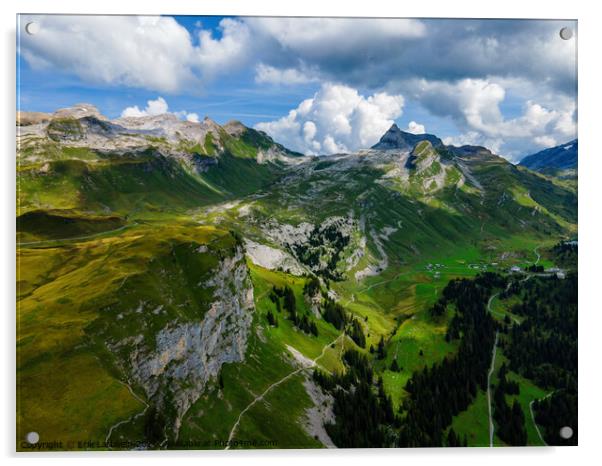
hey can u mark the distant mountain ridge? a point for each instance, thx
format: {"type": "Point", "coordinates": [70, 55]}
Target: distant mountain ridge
{"type": "Point", "coordinates": [563, 157]}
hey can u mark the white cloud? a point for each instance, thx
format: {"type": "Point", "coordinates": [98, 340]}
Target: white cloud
{"type": "Point", "coordinates": [318, 36]}
{"type": "Point", "coordinates": [463, 69]}
{"type": "Point", "coordinates": [474, 104]}
{"type": "Point", "coordinates": [152, 52]}
{"type": "Point", "coordinates": [230, 51]}
{"type": "Point", "coordinates": [157, 107]}
{"type": "Point", "coordinates": [158, 53]}
{"type": "Point", "coordinates": [416, 128]}
{"type": "Point", "coordinates": [288, 76]}
{"type": "Point", "coordinates": [336, 119]}
{"type": "Point", "coordinates": [546, 141]}
{"type": "Point", "coordinates": [153, 107]}
{"type": "Point", "coordinates": [474, 138]}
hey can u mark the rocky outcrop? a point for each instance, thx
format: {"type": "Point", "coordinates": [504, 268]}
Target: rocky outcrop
{"type": "Point", "coordinates": [79, 111]}
{"type": "Point", "coordinates": [189, 354]}
{"type": "Point", "coordinates": [322, 248]}
{"type": "Point", "coordinates": [320, 414]}
{"type": "Point", "coordinates": [395, 138]}
{"type": "Point", "coordinates": [273, 259]}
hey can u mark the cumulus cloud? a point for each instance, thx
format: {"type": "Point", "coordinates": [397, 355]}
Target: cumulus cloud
{"type": "Point", "coordinates": [463, 69]}
{"type": "Point", "coordinates": [192, 117]}
{"type": "Point", "coordinates": [151, 52]}
{"type": "Point", "coordinates": [158, 53]}
{"type": "Point", "coordinates": [415, 128]}
{"type": "Point", "coordinates": [545, 141]}
{"type": "Point", "coordinates": [474, 138]}
{"type": "Point", "coordinates": [474, 104]}
{"type": "Point", "coordinates": [157, 107]}
{"type": "Point", "coordinates": [230, 51]}
{"type": "Point", "coordinates": [153, 107]}
{"type": "Point", "coordinates": [376, 52]}
{"type": "Point", "coordinates": [140, 51]}
{"type": "Point", "coordinates": [336, 119]}
{"type": "Point", "coordinates": [327, 36]}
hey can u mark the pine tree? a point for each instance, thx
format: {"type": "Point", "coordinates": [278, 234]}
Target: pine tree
{"type": "Point", "coordinates": [380, 352]}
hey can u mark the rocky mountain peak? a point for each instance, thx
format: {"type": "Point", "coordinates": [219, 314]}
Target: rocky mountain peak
{"type": "Point", "coordinates": [79, 111]}
{"type": "Point", "coordinates": [235, 128]}
{"type": "Point", "coordinates": [395, 138]}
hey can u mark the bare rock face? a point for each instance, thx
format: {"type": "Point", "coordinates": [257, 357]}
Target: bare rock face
{"type": "Point", "coordinates": [323, 248]}
{"type": "Point", "coordinates": [188, 355]}
{"type": "Point", "coordinates": [79, 111]}
{"type": "Point", "coordinates": [235, 128]}
{"type": "Point", "coordinates": [273, 259]}
{"type": "Point", "coordinates": [395, 138]}
{"type": "Point", "coordinates": [174, 130]}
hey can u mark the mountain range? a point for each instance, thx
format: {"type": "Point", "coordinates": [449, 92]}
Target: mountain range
{"type": "Point", "coordinates": [555, 159]}
{"type": "Point", "coordinates": [181, 281]}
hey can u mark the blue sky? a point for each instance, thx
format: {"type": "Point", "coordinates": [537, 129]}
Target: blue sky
{"type": "Point", "coordinates": [316, 85]}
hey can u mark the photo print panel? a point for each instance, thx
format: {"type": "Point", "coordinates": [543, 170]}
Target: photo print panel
{"type": "Point", "coordinates": [252, 233]}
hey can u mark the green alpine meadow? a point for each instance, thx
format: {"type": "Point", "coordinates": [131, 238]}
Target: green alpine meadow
{"type": "Point", "coordinates": [191, 285]}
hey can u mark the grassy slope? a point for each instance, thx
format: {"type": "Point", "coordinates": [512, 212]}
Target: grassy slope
{"type": "Point", "coordinates": [267, 361]}
{"type": "Point", "coordinates": [465, 238]}
{"type": "Point", "coordinates": [68, 301]}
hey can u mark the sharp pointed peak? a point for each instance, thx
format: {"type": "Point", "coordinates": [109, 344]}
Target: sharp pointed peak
{"type": "Point", "coordinates": [396, 138]}
{"type": "Point", "coordinates": [235, 128]}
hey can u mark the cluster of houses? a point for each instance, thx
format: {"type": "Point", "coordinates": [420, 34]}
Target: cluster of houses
{"type": "Point", "coordinates": [551, 271]}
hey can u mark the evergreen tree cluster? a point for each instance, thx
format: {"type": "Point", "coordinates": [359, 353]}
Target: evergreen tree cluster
{"type": "Point", "coordinates": [544, 349]}
{"type": "Point", "coordinates": [454, 440]}
{"type": "Point", "coordinates": [289, 304]}
{"type": "Point", "coordinates": [555, 412]}
{"type": "Point", "coordinates": [311, 287]}
{"type": "Point", "coordinates": [356, 333]}
{"type": "Point", "coordinates": [535, 268]}
{"type": "Point", "coordinates": [381, 352]}
{"type": "Point", "coordinates": [439, 307]}
{"type": "Point", "coordinates": [510, 419]}
{"type": "Point", "coordinates": [334, 313]}
{"type": "Point", "coordinates": [272, 319]}
{"type": "Point", "coordinates": [363, 412]}
{"type": "Point", "coordinates": [565, 254]}
{"type": "Point", "coordinates": [438, 393]}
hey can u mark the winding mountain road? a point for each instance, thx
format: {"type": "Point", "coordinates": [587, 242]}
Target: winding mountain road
{"type": "Point", "coordinates": [533, 418]}
{"type": "Point", "coordinates": [133, 416]}
{"type": "Point", "coordinates": [489, 374]}
{"type": "Point", "coordinates": [535, 250]}
{"type": "Point", "coordinates": [494, 354]}
{"type": "Point", "coordinates": [274, 385]}
{"type": "Point", "coordinates": [492, 368]}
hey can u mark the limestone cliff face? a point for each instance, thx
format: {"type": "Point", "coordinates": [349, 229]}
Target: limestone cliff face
{"type": "Point", "coordinates": [189, 354]}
